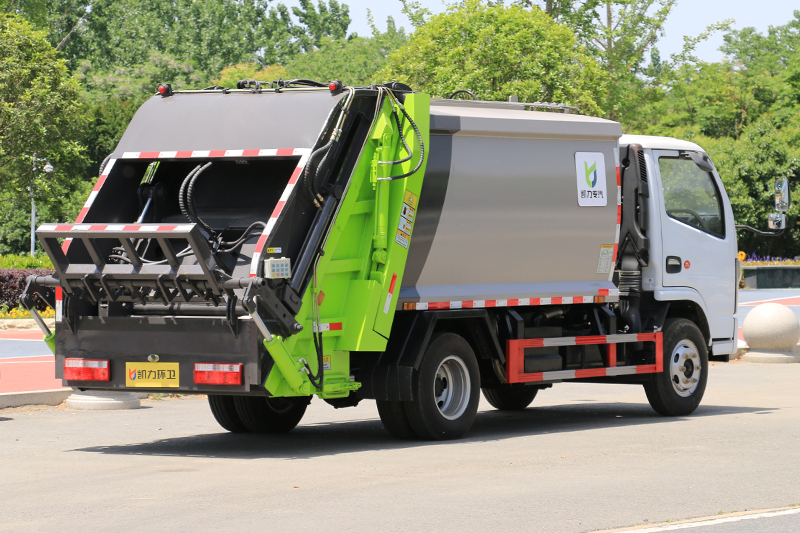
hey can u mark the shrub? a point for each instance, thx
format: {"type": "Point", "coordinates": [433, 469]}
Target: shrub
{"type": "Point", "coordinates": [12, 283]}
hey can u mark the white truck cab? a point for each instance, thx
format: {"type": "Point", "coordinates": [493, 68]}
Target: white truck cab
{"type": "Point", "coordinates": [693, 248]}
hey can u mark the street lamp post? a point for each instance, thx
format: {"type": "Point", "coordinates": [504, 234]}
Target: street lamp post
{"type": "Point", "coordinates": [47, 168]}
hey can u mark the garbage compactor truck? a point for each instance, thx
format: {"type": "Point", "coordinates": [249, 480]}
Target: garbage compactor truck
{"type": "Point", "coordinates": [267, 244]}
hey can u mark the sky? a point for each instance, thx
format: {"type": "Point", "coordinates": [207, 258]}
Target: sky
{"type": "Point", "coordinates": [689, 17]}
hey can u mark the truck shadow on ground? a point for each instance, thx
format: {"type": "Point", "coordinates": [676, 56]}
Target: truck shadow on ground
{"type": "Point", "coordinates": [331, 438]}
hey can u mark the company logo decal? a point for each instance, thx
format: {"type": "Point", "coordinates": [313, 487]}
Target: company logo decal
{"type": "Point", "coordinates": [590, 171]}
{"type": "Point", "coordinates": [132, 374]}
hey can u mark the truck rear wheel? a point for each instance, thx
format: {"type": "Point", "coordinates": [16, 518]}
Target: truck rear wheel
{"type": "Point", "coordinates": [271, 415]}
{"type": "Point", "coordinates": [446, 389]}
{"type": "Point", "coordinates": [678, 390]}
{"type": "Point", "coordinates": [514, 397]}
{"type": "Point", "coordinates": [224, 410]}
{"type": "Point", "coordinates": [395, 420]}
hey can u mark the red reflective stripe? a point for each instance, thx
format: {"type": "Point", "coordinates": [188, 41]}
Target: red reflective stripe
{"type": "Point", "coordinates": [646, 369]}
{"type": "Point", "coordinates": [64, 227]}
{"type": "Point", "coordinates": [81, 215]}
{"type": "Point", "coordinates": [97, 228]}
{"type": "Point", "coordinates": [490, 303]}
{"type": "Point", "coordinates": [148, 155]}
{"type": "Point", "coordinates": [619, 177]}
{"type": "Point", "coordinates": [577, 299]}
{"type": "Point", "coordinates": [439, 305]}
{"type": "Point", "coordinates": [590, 339]}
{"type": "Point", "coordinates": [295, 176]}
{"type": "Point", "coordinates": [536, 301]}
{"type": "Point", "coordinates": [619, 214]}
{"type": "Point", "coordinates": [100, 181]}
{"type": "Point", "coordinates": [65, 246]}
{"type": "Point", "coordinates": [590, 373]}
{"type": "Point", "coordinates": [467, 304]}
{"type": "Point", "coordinates": [285, 151]}
{"type": "Point", "coordinates": [59, 294]}
{"type": "Point", "coordinates": [216, 153]}
{"type": "Point", "coordinates": [391, 285]}
{"type": "Point", "coordinates": [615, 252]}
{"type": "Point", "coordinates": [184, 153]}
{"type": "Point", "coordinates": [513, 302]}
{"type": "Point", "coordinates": [555, 300]}
{"type": "Point", "coordinates": [336, 326]}
{"type": "Point", "coordinates": [166, 228]}
{"type": "Point", "coordinates": [603, 292]}
{"type": "Point", "coordinates": [278, 208]}
{"type": "Point", "coordinates": [131, 228]}
{"type": "Point", "coordinates": [250, 153]}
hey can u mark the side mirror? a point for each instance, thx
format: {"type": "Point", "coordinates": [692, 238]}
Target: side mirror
{"type": "Point", "coordinates": [777, 220]}
{"type": "Point", "coordinates": [783, 198]}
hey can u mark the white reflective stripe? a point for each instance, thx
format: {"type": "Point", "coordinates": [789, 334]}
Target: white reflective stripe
{"type": "Point", "coordinates": [184, 227]}
{"type": "Point", "coordinates": [47, 227]}
{"type": "Point", "coordinates": [322, 327]}
{"type": "Point", "coordinates": [254, 263]}
{"type": "Point", "coordinates": [620, 370]}
{"type": "Point", "coordinates": [167, 154]}
{"type": "Point", "coordinates": [613, 292]}
{"type": "Point", "coordinates": [270, 224]}
{"type": "Point", "coordinates": [619, 195]}
{"type": "Point", "coordinates": [559, 341]}
{"type": "Point", "coordinates": [387, 304]}
{"type": "Point", "coordinates": [501, 303]}
{"type": "Point", "coordinates": [422, 306]}
{"type": "Point", "coordinates": [616, 158]}
{"type": "Point", "coordinates": [201, 153]}
{"type": "Point", "coordinates": [233, 153]}
{"type": "Point", "coordinates": [84, 363]}
{"type": "Point", "coordinates": [302, 151]}
{"type": "Point", "coordinates": [524, 301]}
{"type": "Point", "coordinates": [130, 155]}
{"type": "Point", "coordinates": [632, 337]}
{"type": "Point", "coordinates": [92, 196]}
{"type": "Point", "coordinates": [478, 303]}
{"type": "Point", "coordinates": [268, 152]}
{"type": "Point", "coordinates": [456, 305]}
{"type": "Point", "coordinates": [148, 228]}
{"type": "Point", "coordinates": [58, 310]}
{"type": "Point", "coordinates": [212, 367]}
{"type": "Point", "coordinates": [286, 192]}
{"type": "Point", "coordinates": [560, 374]}
{"type": "Point", "coordinates": [108, 167]}
{"type": "Point", "coordinates": [115, 227]}
{"type": "Point", "coordinates": [566, 299]}
{"type": "Point", "coordinates": [545, 301]}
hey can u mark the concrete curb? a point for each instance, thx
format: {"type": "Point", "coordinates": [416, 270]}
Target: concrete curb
{"type": "Point", "coordinates": [24, 323]}
{"type": "Point", "coordinates": [37, 397]}
{"type": "Point", "coordinates": [755, 356]}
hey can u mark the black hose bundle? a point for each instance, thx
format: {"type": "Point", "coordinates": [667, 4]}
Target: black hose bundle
{"type": "Point", "coordinates": [405, 144]}
{"type": "Point", "coordinates": [187, 202]}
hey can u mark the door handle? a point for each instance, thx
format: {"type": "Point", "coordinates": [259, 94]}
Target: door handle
{"type": "Point", "coordinates": [673, 264]}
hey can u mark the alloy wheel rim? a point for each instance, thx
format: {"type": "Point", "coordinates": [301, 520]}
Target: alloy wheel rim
{"type": "Point", "coordinates": [452, 387]}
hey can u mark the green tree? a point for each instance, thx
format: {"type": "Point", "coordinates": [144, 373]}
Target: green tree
{"type": "Point", "coordinates": [498, 51]}
{"type": "Point", "coordinates": [355, 61]}
{"type": "Point", "coordinates": [41, 117]}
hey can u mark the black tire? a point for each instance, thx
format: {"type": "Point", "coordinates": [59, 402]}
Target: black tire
{"type": "Point", "coordinates": [395, 420]}
{"type": "Point", "coordinates": [445, 409]}
{"type": "Point", "coordinates": [271, 415]}
{"type": "Point", "coordinates": [515, 397]}
{"type": "Point", "coordinates": [224, 410]}
{"type": "Point", "coordinates": [684, 345]}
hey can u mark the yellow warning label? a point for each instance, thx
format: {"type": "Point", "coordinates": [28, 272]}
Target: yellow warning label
{"type": "Point", "coordinates": [407, 215]}
{"type": "Point", "coordinates": [411, 200]}
{"type": "Point", "coordinates": [274, 250]}
{"type": "Point", "coordinates": [326, 362]}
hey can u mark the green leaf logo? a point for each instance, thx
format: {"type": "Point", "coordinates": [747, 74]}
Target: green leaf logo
{"type": "Point", "coordinates": [591, 182]}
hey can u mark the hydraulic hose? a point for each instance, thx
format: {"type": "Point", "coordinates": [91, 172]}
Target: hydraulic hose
{"type": "Point", "coordinates": [419, 136]}
{"type": "Point", "coordinates": [192, 207]}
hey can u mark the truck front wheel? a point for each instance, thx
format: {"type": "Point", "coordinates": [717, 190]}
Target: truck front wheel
{"type": "Point", "coordinates": [271, 415]}
{"type": "Point", "coordinates": [514, 397]}
{"type": "Point", "coordinates": [446, 389]}
{"type": "Point", "coordinates": [678, 390]}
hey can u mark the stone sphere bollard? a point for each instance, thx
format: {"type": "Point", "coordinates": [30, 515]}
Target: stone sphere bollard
{"type": "Point", "coordinates": [103, 401]}
{"type": "Point", "coordinates": [771, 331]}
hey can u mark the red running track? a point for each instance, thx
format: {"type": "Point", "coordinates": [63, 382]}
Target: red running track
{"type": "Point", "coordinates": [25, 374]}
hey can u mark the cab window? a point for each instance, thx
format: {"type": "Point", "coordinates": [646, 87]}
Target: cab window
{"type": "Point", "coordinates": [691, 195]}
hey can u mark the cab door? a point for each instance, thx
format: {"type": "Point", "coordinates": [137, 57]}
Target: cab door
{"type": "Point", "coordinates": [698, 237]}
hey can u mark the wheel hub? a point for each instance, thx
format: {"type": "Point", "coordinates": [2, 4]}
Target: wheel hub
{"type": "Point", "coordinates": [451, 387]}
{"type": "Point", "coordinates": [684, 368]}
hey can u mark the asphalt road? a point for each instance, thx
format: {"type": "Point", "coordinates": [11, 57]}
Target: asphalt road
{"type": "Point", "coordinates": [585, 457]}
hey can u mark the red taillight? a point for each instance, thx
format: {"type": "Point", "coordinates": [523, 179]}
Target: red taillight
{"type": "Point", "coordinates": [332, 86]}
{"type": "Point", "coordinates": [87, 370]}
{"type": "Point", "coordinates": [162, 88]}
{"type": "Point", "coordinates": [218, 374]}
